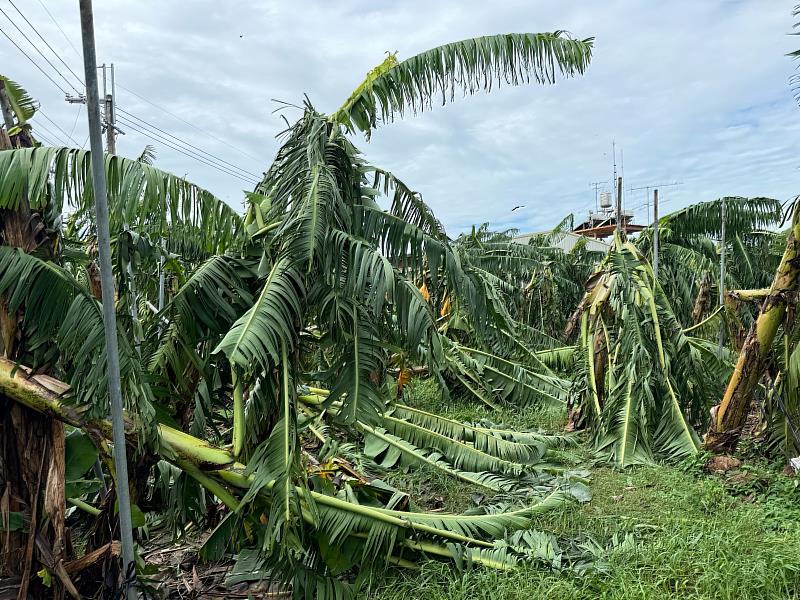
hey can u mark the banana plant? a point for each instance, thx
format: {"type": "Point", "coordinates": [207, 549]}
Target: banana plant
{"type": "Point", "coordinates": [310, 288]}
{"type": "Point", "coordinates": [690, 246]}
{"type": "Point", "coordinates": [643, 384]}
{"type": "Point", "coordinates": [729, 416]}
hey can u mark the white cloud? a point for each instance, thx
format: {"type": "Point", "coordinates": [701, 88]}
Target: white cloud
{"type": "Point", "coordinates": [691, 91]}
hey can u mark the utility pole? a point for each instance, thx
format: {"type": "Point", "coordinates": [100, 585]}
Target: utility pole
{"type": "Point", "coordinates": [109, 116]}
{"type": "Point", "coordinates": [655, 233]}
{"type": "Point", "coordinates": [596, 185]}
{"type": "Point", "coordinates": [722, 273]}
{"type": "Point", "coordinates": [618, 207]}
{"type": "Point", "coordinates": [109, 122]}
{"type": "Point", "coordinates": [107, 286]}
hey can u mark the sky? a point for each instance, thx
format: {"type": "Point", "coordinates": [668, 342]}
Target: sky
{"type": "Point", "coordinates": [690, 92]}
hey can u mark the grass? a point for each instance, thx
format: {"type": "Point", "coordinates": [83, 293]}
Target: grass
{"type": "Point", "coordinates": [693, 535]}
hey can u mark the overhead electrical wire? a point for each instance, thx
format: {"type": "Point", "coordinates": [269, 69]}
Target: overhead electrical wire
{"type": "Point", "coordinates": [35, 64]}
{"type": "Point", "coordinates": [189, 154]}
{"type": "Point", "coordinates": [51, 133]}
{"type": "Point", "coordinates": [136, 123]}
{"type": "Point", "coordinates": [35, 47]}
{"type": "Point", "coordinates": [57, 126]}
{"type": "Point", "coordinates": [53, 19]}
{"type": "Point", "coordinates": [185, 143]}
{"type": "Point", "coordinates": [200, 159]}
{"type": "Point", "coordinates": [43, 138]}
{"type": "Point", "coordinates": [209, 134]}
{"type": "Point", "coordinates": [75, 122]}
{"type": "Point", "coordinates": [57, 55]}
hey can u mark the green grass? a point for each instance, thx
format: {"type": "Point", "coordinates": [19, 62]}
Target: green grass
{"type": "Point", "coordinates": [695, 536]}
{"type": "Point", "coordinates": [425, 394]}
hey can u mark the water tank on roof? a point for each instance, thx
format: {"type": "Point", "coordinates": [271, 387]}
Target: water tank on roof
{"type": "Point", "coordinates": [605, 199]}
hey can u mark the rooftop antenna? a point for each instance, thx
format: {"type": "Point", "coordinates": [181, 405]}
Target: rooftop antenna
{"type": "Point", "coordinates": [614, 159]}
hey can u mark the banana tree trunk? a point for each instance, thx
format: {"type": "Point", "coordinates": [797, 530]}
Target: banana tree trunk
{"type": "Point", "coordinates": [32, 446]}
{"type": "Point", "coordinates": [730, 415]}
{"type": "Point", "coordinates": [217, 470]}
{"type": "Point", "coordinates": [701, 301]}
{"type": "Point", "coordinates": [736, 328]}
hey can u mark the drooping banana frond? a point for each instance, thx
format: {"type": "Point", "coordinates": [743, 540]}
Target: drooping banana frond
{"type": "Point", "coordinates": [141, 196]}
{"type": "Point", "coordinates": [275, 467]}
{"type": "Point", "coordinates": [389, 450]}
{"type": "Point", "coordinates": [64, 328]}
{"type": "Point", "coordinates": [256, 337]}
{"type": "Point", "coordinates": [462, 455]}
{"type": "Point", "coordinates": [484, 439]}
{"type": "Point", "coordinates": [361, 400]}
{"type": "Point", "coordinates": [505, 380]}
{"type": "Point", "coordinates": [467, 66]}
{"type": "Point", "coordinates": [194, 321]}
{"type": "Point", "coordinates": [742, 216]}
{"type": "Point", "coordinates": [22, 104]}
{"type": "Point", "coordinates": [407, 204]}
{"type": "Point", "coordinates": [640, 382]}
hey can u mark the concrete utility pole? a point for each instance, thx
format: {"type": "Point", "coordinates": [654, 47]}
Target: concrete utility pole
{"type": "Point", "coordinates": [618, 207]}
{"type": "Point", "coordinates": [655, 233]}
{"type": "Point", "coordinates": [109, 115]}
{"type": "Point", "coordinates": [107, 285]}
{"type": "Point", "coordinates": [722, 273]}
{"type": "Point", "coordinates": [596, 185]}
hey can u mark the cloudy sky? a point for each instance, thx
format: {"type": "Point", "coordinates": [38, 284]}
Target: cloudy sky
{"type": "Point", "coordinates": [694, 92]}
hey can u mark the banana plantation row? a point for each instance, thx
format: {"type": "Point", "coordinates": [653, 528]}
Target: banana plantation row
{"type": "Point", "coordinates": [264, 356]}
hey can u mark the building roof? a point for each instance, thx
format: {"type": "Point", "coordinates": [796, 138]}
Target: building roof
{"type": "Point", "coordinates": [565, 240]}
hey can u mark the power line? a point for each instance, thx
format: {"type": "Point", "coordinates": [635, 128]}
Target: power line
{"type": "Point", "coordinates": [56, 125]}
{"type": "Point", "coordinates": [53, 19]}
{"type": "Point", "coordinates": [54, 135]}
{"type": "Point", "coordinates": [167, 138]}
{"type": "Point", "coordinates": [160, 139]}
{"type": "Point", "coordinates": [211, 135]}
{"type": "Point", "coordinates": [47, 44]}
{"type": "Point", "coordinates": [138, 128]}
{"type": "Point", "coordinates": [185, 143]}
{"type": "Point", "coordinates": [35, 47]}
{"type": "Point", "coordinates": [75, 122]}
{"type": "Point", "coordinates": [44, 138]}
{"type": "Point", "coordinates": [35, 64]}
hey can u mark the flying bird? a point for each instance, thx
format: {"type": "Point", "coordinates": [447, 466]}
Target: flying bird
{"type": "Point", "coordinates": [516, 207]}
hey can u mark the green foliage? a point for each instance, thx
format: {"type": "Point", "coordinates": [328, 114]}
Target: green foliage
{"type": "Point", "coordinates": [141, 196]}
{"type": "Point", "coordinates": [22, 104]}
{"type": "Point", "coordinates": [642, 385]}
{"type": "Point", "coordinates": [689, 253]}
{"type": "Point", "coordinates": [278, 330]}
{"type": "Point", "coordinates": [467, 66]}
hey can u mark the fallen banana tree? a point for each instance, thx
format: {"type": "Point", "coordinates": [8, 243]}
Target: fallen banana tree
{"type": "Point", "coordinates": [642, 382]}
{"type": "Point", "coordinates": [729, 416]}
{"type": "Point", "coordinates": [372, 534]}
{"type": "Point", "coordinates": [315, 285]}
